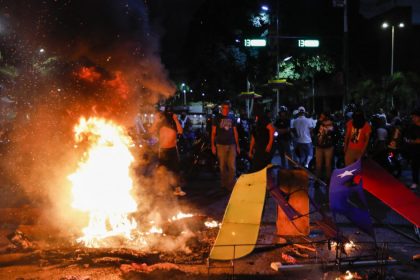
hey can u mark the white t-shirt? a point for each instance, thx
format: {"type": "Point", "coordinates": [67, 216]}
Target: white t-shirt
{"type": "Point", "coordinates": [303, 127]}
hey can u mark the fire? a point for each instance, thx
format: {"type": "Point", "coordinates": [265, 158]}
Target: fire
{"type": "Point", "coordinates": [349, 276]}
{"type": "Point", "coordinates": [89, 74]}
{"type": "Point", "coordinates": [348, 246]}
{"type": "Point", "coordinates": [119, 84]}
{"type": "Point", "coordinates": [212, 224]}
{"type": "Point", "coordinates": [155, 230]}
{"type": "Point", "coordinates": [102, 184]}
{"type": "Point", "coordinates": [180, 216]}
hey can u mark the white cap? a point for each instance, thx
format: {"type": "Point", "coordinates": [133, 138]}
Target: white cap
{"type": "Point", "coordinates": [301, 109]}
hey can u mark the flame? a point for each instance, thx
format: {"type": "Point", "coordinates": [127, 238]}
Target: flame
{"type": "Point", "coordinates": [156, 230]}
{"type": "Point", "coordinates": [89, 74]}
{"type": "Point", "coordinates": [102, 184]}
{"type": "Point", "coordinates": [180, 216]}
{"type": "Point", "coordinates": [119, 84]}
{"type": "Point", "coordinates": [348, 275]}
{"type": "Point", "coordinates": [347, 246]}
{"type": "Point", "coordinates": [212, 224]}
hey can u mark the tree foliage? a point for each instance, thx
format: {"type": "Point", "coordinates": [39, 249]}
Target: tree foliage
{"type": "Point", "coordinates": [399, 91]}
{"type": "Point", "coordinates": [305, 67]}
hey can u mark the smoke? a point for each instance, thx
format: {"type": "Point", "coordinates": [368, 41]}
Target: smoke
{"type": "Point", "coordinates": [64, 59]}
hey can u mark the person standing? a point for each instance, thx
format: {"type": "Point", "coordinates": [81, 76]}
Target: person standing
{"type": "Point", "coordinates": [262, 138]}
{"type": "Point", "coordinates": [325, 137]}
{"type": "Point", "coordinates": [302, 128]}
{"type": "Point", "coordinates": [380, 138]}
{"type": "Point", "coordinates": [187, 138]}
{"type": "Point", "coordinates": [282, 126]}
{"type": "Point", "coordinates": [225, 142]}
{"type": "Point", "coordinates": [167, 126]}
{"type": "Point", "coordinates": [356, 139]}
{"type": "Point", "coordinates": [412, 140]}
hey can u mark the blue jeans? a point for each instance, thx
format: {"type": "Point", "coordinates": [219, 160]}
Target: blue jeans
{"type": "Point", "coordinates": [227, 164]}
{"type": "Point", "coordinates": [283, 147]}
{"type": "Point", "coordinates": [304, 151]}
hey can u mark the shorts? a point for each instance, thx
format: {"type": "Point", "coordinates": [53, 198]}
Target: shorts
{"type": "Point", "coordinates": [169, 158]}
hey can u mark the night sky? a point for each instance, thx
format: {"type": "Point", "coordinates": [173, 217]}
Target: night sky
{"type": "Point", "coordinates": [191, 38]}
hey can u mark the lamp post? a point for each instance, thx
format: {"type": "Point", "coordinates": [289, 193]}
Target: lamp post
{"type": "Point", "coordinates": [385, 25]}
{"type": "Point", "coordinates": [184, 91]}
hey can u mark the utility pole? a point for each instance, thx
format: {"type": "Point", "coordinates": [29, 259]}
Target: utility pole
{"type": "Point", "coordinates": [277, 57]}
{"type": "Point", "coordinates": [345, 63]}
{"type": "Point", "coordinates": [346, 53]}
{"type": "Point", "coordinates": [392, 49]}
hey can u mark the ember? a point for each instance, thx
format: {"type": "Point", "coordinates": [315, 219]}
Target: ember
{"type": "Point", "coordinates": [102, 183]}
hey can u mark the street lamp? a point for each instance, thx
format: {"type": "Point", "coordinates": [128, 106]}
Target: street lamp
{"type": "Point", "coordinates": [288, 58]}
{"type": "Point", "coordinates": [184, 88]}
{"type": "Point", "coordinates": [385, 25]}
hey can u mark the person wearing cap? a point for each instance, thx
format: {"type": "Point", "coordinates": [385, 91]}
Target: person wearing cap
{"type": "Point", "coordinates": [302, 128]}
{"type": "Point", "coordinates": [412, 141]}
{"type": "Point", "coordinates": [225, 142]}
{"type": "Point", "coordinates": [357, 136]}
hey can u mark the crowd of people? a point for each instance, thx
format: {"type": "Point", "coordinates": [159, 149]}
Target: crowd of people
{"type": "Point", "coordinates": [322, 144]}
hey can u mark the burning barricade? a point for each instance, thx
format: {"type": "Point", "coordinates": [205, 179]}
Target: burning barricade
{"type": "Point", "coordinates": [103, 190]}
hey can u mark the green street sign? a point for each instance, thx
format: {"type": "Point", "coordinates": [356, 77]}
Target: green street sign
{"type": "Point", "coordinates": [308, 43]}
{"type": "Point", "coordinates": [255, 42]}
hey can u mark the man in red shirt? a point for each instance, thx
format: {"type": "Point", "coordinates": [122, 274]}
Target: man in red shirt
{"type": "Point", "coordinates": [357, 136]}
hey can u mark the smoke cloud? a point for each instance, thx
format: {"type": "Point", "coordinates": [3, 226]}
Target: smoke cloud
{"type": "Point", "coordinates": [64, 59]}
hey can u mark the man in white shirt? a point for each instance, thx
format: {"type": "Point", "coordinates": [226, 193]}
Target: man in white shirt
{"type": "Point", "coordinates": [302, 128]}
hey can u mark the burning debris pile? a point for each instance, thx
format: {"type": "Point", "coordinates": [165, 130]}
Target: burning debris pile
{"type": "Point", "coordinates": [62, 253]}
{"type": "Point", "coordinates": [94, 205]}
{"type": "Point", "coordinates": [102, 187]}
{"type": "Point", "coordinates": [113, 231]}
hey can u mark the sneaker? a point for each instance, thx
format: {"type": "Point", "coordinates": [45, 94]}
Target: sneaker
{"type": "Point", "coordinates": [413, 186]}
{"type": "Point", "coordinates": [179, 192]}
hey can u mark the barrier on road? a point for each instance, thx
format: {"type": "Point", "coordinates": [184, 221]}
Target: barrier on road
{"type": "Point", "coordinates": [241, 222]}
{"type": "Point", "coordinates": [390, 191]}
